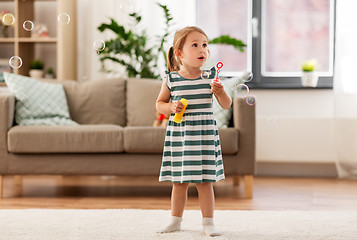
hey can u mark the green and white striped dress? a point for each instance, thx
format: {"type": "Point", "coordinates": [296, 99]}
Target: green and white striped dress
{"type": "Point", "coordinates": [192, 151]}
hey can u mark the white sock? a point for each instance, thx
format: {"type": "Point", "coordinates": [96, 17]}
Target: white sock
{"type": "Point", "coordinates": [173, 226]}
{"type": "Point", "coordinates": [208, 227]}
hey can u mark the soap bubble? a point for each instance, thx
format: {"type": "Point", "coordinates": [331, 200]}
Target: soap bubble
{"type": "Point", "coordinates": [15, 62]}
{"type": "Point", "coordinates": [28, 25]}
{"type": "Point", "coordinates": [250, 100]}
{"type": "Point", "coordinates": [205, 74]}
{"type": "Point", "coordinates": [64, 18]}
{"type": "Point", "coordinates": [8, 19]}
{"type": "Point", "coordinates": [98, 46]}
{"type": "Point", "coordinates": [247, 76]}
{"type": "Point", "coordinates": [242, 90]}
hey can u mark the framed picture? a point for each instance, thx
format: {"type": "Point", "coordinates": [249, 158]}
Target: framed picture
{"type": "Point", "coordinates": [4, 67]}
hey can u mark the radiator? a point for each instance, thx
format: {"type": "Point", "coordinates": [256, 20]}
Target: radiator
{"type": "Point", "coordinates": [295, 139]}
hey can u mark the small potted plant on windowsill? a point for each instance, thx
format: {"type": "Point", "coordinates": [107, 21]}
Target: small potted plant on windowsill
{"type": "Point", "coordinates": [36, 68]}
{"type": "Point", "coordinates": [309, 77]}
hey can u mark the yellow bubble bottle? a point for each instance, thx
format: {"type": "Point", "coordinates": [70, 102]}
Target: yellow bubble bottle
{"type": "Point", "coordinates": [178, 116]}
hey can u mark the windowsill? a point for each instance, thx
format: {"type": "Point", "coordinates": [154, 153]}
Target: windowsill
{"type": "Point", "coordinates": [253, 85]}
{"type": "Point", "coordinates": [284, 83]}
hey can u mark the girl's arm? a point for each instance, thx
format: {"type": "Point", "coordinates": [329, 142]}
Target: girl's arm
{"type": "Point", "coordinates": [222, 97]}
{"type": "Point", "coordinates": [163, 104]}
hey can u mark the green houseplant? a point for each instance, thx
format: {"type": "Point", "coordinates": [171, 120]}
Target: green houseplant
{"type": "Point", "coordinates": [49, 73]}
{"type": "Point", "coordinates": [309, 77]}
{"type": "Point", "coordinates": [308, 66]}
{"type": "Point", "coordinates": [36, 68]}
{"type": "Point", "coordinates": [130, 48]}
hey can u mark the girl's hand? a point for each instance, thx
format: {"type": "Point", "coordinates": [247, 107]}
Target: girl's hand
{"type": "Point", "coordinates": [176, 107]}
{"type": "Point", "coordinates": [217, 88]}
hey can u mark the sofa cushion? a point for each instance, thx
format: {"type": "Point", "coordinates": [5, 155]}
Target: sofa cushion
{"type": "Point", "coordinates": [96, 101]}
{"type": "Point", "coordinates": [38, 103]}
{"type": "Point", "coordinates": [141, 98]}
{"type": "Point", "coordinates": [65, 139]}
{"type": "Point", "coordinates": [142, 139]}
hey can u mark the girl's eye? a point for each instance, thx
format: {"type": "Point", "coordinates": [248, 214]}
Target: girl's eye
{"type": "Point", "coordinates": [204, 45]}
{"type": "Point", "coordinates": [194, 45]}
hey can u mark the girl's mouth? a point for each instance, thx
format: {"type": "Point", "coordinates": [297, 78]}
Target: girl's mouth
{"type": "Point", "coordinates": [201, 58]}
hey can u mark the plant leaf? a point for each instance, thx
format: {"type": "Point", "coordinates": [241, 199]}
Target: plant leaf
{"type": "Point", "coordinates": [228, 40]}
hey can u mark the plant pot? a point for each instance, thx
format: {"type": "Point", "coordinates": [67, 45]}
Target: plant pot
{"type": "Point", "coordinates": [36, 73]}
{"type": "Point", "coordinates": [309, 79]}
{"type": "Point", "coordinates": [49, 76]}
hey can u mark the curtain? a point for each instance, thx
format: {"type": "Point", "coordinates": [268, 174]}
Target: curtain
{"type": "Point", "coordinates": [90, 15]}
{"type": "Point", "coordinates": [345, 89]}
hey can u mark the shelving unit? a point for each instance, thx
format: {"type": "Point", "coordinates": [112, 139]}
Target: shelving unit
{"type": "Point", "coordinates": [61, 44]}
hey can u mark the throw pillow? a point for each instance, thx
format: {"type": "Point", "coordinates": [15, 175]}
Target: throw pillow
{"type": "Point", "coordinates": [99, 101]}
{"type": "Point", "coordinates": [38, 103]}
{"type": "Point", "coordinates": [223, 116]}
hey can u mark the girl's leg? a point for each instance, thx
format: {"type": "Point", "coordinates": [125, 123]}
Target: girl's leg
{"type": "Point", "coordinates": [178, 203]}
{"type": "Point", "coordinates": [178, 198]}
{"type": "Point", "coordinates": [206, 200]}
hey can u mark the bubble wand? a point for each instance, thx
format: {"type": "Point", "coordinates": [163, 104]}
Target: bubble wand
{"type": "Point", "coordinates": [218, 66]}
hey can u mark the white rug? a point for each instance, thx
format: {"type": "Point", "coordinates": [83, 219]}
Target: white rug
{"type": "Point", "coordinates": [129, 224]}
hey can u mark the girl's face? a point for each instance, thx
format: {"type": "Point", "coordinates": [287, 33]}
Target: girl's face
{"type": "Point", "coordinates": [195, 50]}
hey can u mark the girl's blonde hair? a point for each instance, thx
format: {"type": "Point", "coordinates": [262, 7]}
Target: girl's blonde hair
{"type": "Point", "coordinates": [173, 64]}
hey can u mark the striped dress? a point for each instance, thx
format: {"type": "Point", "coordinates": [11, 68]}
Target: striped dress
{"type": "Point", "coordinates": [192, 150]}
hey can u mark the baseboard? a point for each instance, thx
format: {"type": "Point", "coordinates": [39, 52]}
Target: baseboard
{"type": "Point", "coordinates": [286, 169]}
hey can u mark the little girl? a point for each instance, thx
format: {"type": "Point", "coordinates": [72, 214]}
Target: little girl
{"type": "Point", "coordinates": [192, 151]}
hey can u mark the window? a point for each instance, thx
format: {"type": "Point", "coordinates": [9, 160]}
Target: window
{"type": "Point", "coordinates": [215, 18]}
{"type": "Point", "coordinates": [280, 34]}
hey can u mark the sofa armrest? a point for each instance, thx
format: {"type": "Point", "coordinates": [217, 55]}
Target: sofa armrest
{"type": "Point", "coordinates": [244, 121]}
{"type": "Point", "coordinates": [7, 108]}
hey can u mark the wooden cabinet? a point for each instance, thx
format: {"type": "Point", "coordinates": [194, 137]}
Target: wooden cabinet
{"type": "Point", "coordinates": [58, 50]}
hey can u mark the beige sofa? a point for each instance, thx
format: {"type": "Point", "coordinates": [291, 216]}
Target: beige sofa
{"type": "Point", "coordinates": [115, 135]}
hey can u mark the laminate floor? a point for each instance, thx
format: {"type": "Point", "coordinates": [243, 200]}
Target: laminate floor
{"type": "Point", "coordinates": [106, 192]}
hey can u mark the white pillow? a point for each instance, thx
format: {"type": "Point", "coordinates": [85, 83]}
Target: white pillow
{"type": "Point", "coordinates": [38, 103]}
{"type": "Point", "coordinates": [223, 116]}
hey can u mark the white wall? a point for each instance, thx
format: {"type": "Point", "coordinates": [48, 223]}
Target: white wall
{"type": "Point", "coordinates": [295, 126]}
{"type": "Point", "coordinates": [91, 14]}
